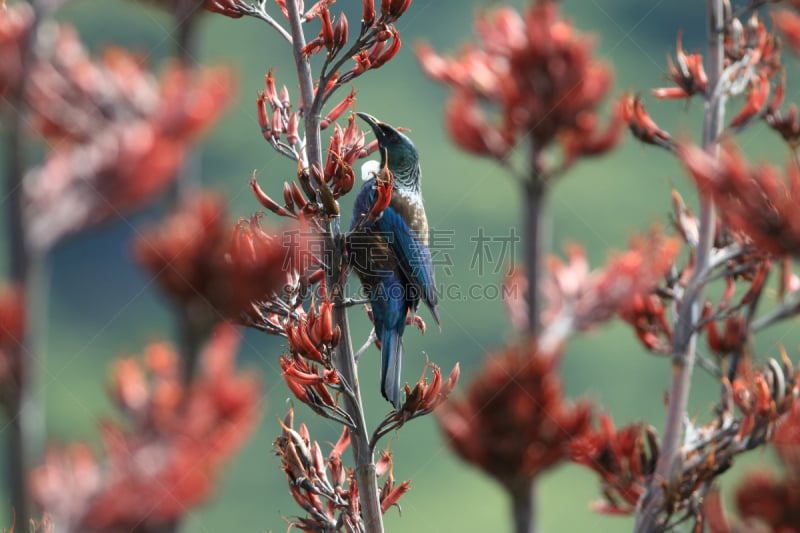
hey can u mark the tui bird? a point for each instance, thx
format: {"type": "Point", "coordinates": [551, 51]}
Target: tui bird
{"type": "Point", "coordinates": [390, 252]}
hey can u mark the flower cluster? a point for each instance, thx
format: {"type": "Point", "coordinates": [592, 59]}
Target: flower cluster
{"type": "Point", "coordinates": [752, 60]}
{"type": "Point", "coordinates": [626, 458]}
{"type": "Point", "coordinates": [541, 76]}
{"type": "Point", "coordinates": [580, 299]}
{"type": "Point", "coordinates": [765, 501]}
{"type": "Point", "coordinates": [323, 487]}
{"type": "Point", "coordinates": [119, 135]}
{"type": "Point", "coordinates": [215, 274]}
{"type": "Point", "coordinates": [751, 65]}
{"type": "Point", "coordinates": [320, 188]}
{"type": "Point", "coordinates": [623, 458]}
{"type": "Point", "coordinates": [308, 367]}
{"type": "Point", "coordinates": [756, 203]}
{"type": "Point", "coordinates": [733, 337]}
{"type": "Point", "coordinates": [378, 42]}
{"type": "Point", "coordinates": [514, 422]}
{"type": "Point", "coordinates": [167, 459]}
{"type": "Point", "coordinates": [279, 118]}
{"type": "Point", "coordinates": [687, 73]}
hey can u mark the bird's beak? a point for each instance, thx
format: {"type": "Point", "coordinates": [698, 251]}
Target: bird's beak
{"type": "Point", "coordinates": [375, 124]}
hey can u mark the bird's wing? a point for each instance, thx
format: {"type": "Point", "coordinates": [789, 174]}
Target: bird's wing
{"type": "Point", "coordinates": [413, 257]}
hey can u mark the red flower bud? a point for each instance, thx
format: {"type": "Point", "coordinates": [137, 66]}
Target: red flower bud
{"type": "Point", "coordinates": [398, 7]}
{"type": "Point", "coordinates": [340, 32]}
{"type": "Point", "coordinates": [339, 109]}
{"type": "Point", "coordinates": [390, 52]}
{"type": "Point", "coordinates": [263, 115]}
{"type": "Point", "coordinates": [756, 101]}
{"type": "Point", "coordinates": [383, 188]}
{"type": "Point", "coordinates": [277, 123]}
{"type": "Point", "coordinates": [269, 89]}
{"type": "Point", "coordinates": [641, 125]}
{"type": "Point", "coordinates": [368, 14]}
{"type": "Point", "coordinates": [284, 98]}
{"type": "Point", "coordinates": [230, 8]}
{"type": "Point", "coordinates": [385, 7]}
{"type": "Point", "coordinates": [327, 28]}
{"type": "Point", "coordinates": [292, 136]}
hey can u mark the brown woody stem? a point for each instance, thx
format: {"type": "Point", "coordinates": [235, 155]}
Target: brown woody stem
{"type": "Point", "coordinates": [21, 407]}
{"type": "Point", "coordinates": [369, 498]}
{"type": "Point", "coordinates": [192, 327]}
{"type": "Point", "coordinates": [533, 209]}
{"type": "Point", "coordinates": [651, 514]}
{"type": "Point", "coordinates": [534, 190]}
{"type": "Point", "coordinates": [523, 507]}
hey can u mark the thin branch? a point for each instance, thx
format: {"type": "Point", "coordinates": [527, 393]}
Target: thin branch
{"type": "Point", "coordinates": [306, 79]}
{"type": "Point", "coordinates": [649, 516]}
{"type": "Point", "coordinates": [788, 309]}
{"type": "Point", "coordinates": [260, 12]}
{"type": "Point", "coordinates": [352, 302]}
{"type": "Point", "coordinates": [369, 342]}
{"type": "Point", "coordinates": [328, 71]}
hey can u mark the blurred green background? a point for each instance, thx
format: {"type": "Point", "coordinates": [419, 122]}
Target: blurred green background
{"type": "Point", "coordinates": [101, 306]}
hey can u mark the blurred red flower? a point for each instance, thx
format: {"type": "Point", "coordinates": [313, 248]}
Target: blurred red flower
{"type": "Point", "coordinates": [541, 76]}
{"type": "Point", "coordinates": [117, 135]}
{"type": "Point", "coordinates": [623, 458]}
{"type": "Point", "coordinates": [209, 271]}
{"type": "Point", "coordinates": [754, 202]}
{"type": "Point", "coordinates": [514, 421]}
{"type": "Point", "coordinates": [168, 457]}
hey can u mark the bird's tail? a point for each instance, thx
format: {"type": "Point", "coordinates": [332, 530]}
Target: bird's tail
{"type": "Point", "coordinates": [391, 355]}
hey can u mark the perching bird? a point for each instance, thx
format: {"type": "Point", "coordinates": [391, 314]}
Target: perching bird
{"type": "Point", "coordinates": [390, 254]}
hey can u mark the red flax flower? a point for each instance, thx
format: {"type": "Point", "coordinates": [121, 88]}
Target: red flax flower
{"type": "Point", "coordinates": [208, 271]}
{"type": "Point", "coordinates": [641, 125]}
{"type": "Point", "coordinates": [755, 202]}
{"type": "Point", "coordinates": [764, 501]}
{"type": "Point", "coordinates": [786, 125]}
{"type": "Point", "coordinates": [580, 299]}
{"type": "Point", "coordinates": [12, 329]}
{"type": "Point", "coordinates": [540, 75]}
{"type": "Point", "coordinates": [166, 459]}
{"type": "Point", "coordinates": [323, 487]}
{"type": "Point", "coordinates": [623, 458]}
{"type": "Point", "coordinates": [514, 422]}
{"type": "Point", "coordinates": [686, 72]}
{"type": "Point", "coordinates": [109, 159]}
